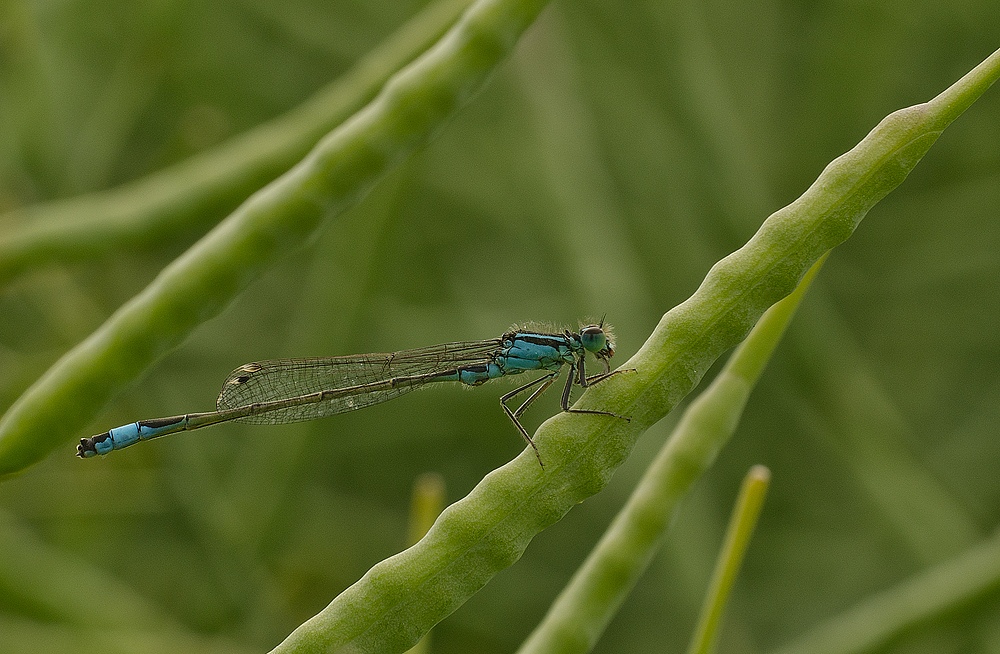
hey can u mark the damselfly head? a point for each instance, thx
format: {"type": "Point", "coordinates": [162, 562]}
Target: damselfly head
{"type": "Point", "coordinates": [598, 339]}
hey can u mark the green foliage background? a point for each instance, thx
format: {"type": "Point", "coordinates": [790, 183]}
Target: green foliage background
{"type": "Point", "coordinates": [610, 162]}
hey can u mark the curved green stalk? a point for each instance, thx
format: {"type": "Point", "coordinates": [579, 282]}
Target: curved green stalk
{"type": "Point", "coordinates": [270, 225]}
{"type": "Point", "coordinates": [400, 598]}
{"type": "Point", "coordinates": [188, 196]}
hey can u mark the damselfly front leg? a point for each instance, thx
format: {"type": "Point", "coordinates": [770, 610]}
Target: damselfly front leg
{"type": "Point", "coordinates": [585, 382]}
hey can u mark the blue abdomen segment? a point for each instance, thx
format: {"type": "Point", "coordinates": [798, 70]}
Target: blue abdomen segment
{"type": "Point", "coordinates": [479, 374]}
{"type": "Point", "coordinates": [113, 439]}
{"type": "Point", "coordinates": [123, 436]}
{"type": "Point", "coordinates": [119, 437]}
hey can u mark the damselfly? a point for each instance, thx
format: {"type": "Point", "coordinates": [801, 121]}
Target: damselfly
{"type": "Point", "coordinates": [292, 390]}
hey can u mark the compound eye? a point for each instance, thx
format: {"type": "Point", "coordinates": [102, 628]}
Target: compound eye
{"type": "Point", "coordinates": [593, 338]}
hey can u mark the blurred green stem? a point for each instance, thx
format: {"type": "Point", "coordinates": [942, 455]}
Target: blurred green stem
{"type": "Point", "coordinates": [874, 622]}
{"type": "Point", "coordinates": [191, 195]}
{"type": "Point", "coordinates": [738, 534]}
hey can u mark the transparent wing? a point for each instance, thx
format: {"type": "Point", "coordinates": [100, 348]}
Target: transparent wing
{"type": "Point", "coordinates": [360, 376]}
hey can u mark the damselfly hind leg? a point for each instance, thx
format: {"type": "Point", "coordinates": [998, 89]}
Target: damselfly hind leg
{"type": "Point", "coordinates": [545, 381]}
